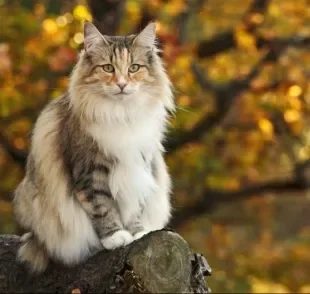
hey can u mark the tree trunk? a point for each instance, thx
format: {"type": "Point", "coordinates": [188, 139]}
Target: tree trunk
{"type": "Point", "coordinates": [107, 14]}
{"type": "Point", "coordinates": [158, 262]}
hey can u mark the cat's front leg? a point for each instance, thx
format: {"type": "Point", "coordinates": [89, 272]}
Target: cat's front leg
{"type": "Point", "coordinates": [136, 228]}
{"type": "Point", "coordinates": [106, 220]}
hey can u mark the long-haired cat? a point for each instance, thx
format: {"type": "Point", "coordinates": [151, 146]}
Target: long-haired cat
{"type": "Point", "coordinates": [95, 175]}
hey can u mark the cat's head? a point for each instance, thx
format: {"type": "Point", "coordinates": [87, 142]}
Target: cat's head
{"type": "Point", "coordinates": [122, 70]}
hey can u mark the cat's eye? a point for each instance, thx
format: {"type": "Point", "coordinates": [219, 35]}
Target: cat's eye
{"type": "Point", "coordinates": [108, 68]}
{"type": "Point", "coordinates": [134, 68]}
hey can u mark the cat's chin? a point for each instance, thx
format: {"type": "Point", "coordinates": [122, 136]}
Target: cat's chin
{"type": "Point", "coordinates": [123, 93]}
{"type": "Point", "coordinates": [123, 96]}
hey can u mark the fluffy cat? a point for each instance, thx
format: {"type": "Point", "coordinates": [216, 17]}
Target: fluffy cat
{"type": "Point", "coordinates": [95, 175]}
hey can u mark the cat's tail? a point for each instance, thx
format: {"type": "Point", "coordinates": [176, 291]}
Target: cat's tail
{"type": "Point", "coordinates": [32, 253]}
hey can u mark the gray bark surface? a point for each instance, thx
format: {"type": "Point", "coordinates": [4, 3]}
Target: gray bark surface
{"type": "Point", "coordinates": [159, 262]}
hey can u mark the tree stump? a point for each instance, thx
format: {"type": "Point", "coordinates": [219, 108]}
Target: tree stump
{"type": "Point", "coordinates": [160, 262]}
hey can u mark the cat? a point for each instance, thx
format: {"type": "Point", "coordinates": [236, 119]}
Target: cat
{"type": "Point", "coordinates": [95, 175]}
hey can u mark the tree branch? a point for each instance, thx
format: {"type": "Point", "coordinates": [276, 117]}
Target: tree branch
{"type": "Point", "coordinates": [183, 18]}
{"type": "Point", "coordinates": [159, 262]}
{"type": "Point", "coordinates": [226, 40]}
{"type": "Point", "coordinates": [18, 156]}
{"type": "Point", "coordinates": [225, 96]}
{"type": "Point", "coordinates": [146, 18]}
{"type": "Point", "coordinates": [203, 79]}
{"type": "Point", "coordinates": [211, 197]}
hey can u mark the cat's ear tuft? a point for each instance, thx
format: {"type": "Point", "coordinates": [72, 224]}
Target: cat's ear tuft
{"type": "Point", "coordinates": [92, 37]}
{"type": "Point", "coordinates": [147, 36]}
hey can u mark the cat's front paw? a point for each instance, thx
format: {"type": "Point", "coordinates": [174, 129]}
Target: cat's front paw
{"type": "Point", "coordinates": [24, 238]}
{"type": "Point", "coordinates": [118, 239]}
{"type": "Point", "coordinates": [140, 234]}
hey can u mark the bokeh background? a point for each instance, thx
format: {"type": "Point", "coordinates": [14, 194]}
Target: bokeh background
{"type": "Point", "coordinates": [238, 149]}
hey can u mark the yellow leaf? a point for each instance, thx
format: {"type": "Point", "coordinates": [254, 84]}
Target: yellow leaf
{"type": "Point", "coordinates": [294, 91]}
{"type": "Point", "coordinates": [295, 103]}
{"type": "Point", "coordinates": [266, 127]}
{"type": "Point", "coordinates": [291, 115]}
{"type": "Point", "coordinates": [245, 40]}
{"type": "Point", "coordinates": [61, 21]}
{"type": "Point", "coordinates": [249, 158]}
{"type": "Point", "coordinates": [175, 7]}
{"type": "Point", "coordinates": [69, 17]}
{"type": "Point", "coordinates": [78, 38]}
{"type": "Point", "coordinates": [274, 10]}
{"type": "Point", "coordinates": [49, 26]}
{"type": "Point", "coordinates": [183, 100]}
{"type": "Point", "coordinates": [81, 12]}
{"type": "Point", "coordinates": [133, 10]}
{"type": "Point", "coordinates": [256, 18]}
{"type": "Point", "coordinates": [184, 61]}
{"type": "Point", "coordinates": [232, 183]}
{"type": "Point", "coordinates": [304, 153]}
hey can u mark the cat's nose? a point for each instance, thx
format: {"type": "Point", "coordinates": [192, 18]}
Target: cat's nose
{"type": "Point", "coordinates": [121, 85]}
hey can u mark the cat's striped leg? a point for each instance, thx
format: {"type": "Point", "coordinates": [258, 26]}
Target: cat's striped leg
{"type": "Point", "coordinates": [136, 228]}
{"type": "Point", "coordinates": [105, 219]}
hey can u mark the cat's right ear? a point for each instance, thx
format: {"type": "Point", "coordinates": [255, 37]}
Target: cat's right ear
{"type": "Point", "coordinates": [92, 37]}
{"type": "Point", "coordinates": [147, 36]}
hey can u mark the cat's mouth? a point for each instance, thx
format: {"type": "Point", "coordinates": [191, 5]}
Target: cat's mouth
{"type": "Point", "coordinates": [122, 93]}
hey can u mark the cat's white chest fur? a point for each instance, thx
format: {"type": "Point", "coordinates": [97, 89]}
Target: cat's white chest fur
{"type": "Point", "coordinates": [132, 144]}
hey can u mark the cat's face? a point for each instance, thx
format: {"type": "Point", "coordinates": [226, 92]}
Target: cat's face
{"type": "Point", "coordinates": [120, 67]}
{"type": "Point", "coordinates": [120, 77]}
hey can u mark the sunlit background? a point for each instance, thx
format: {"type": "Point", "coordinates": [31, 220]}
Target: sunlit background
{"type": "Point", "coordinates": [238, 149]}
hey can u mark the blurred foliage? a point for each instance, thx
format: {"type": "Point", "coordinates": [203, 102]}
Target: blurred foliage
{"type": "Point", "coordinates": [260, 245]}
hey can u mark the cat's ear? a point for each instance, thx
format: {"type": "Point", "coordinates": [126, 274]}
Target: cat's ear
{"type": "Point", "coordinates": [92, 37]}
{"type": "Point", "coordinates": [147, 36]}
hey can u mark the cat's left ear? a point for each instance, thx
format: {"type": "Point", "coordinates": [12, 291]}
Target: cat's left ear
{"type": "Point", "coordinates": [147, 36]}
{"type": "Point", "coordinates": [92, 37]}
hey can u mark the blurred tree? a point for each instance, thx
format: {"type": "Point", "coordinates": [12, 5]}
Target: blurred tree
{"type": "Point", "coordinates": [107, 14]}
{"type": "Point", "coordinates": [241, 72]}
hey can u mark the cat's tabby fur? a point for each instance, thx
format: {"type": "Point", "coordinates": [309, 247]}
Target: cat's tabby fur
{"type": "Point", "coordinates": [95, 174]}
